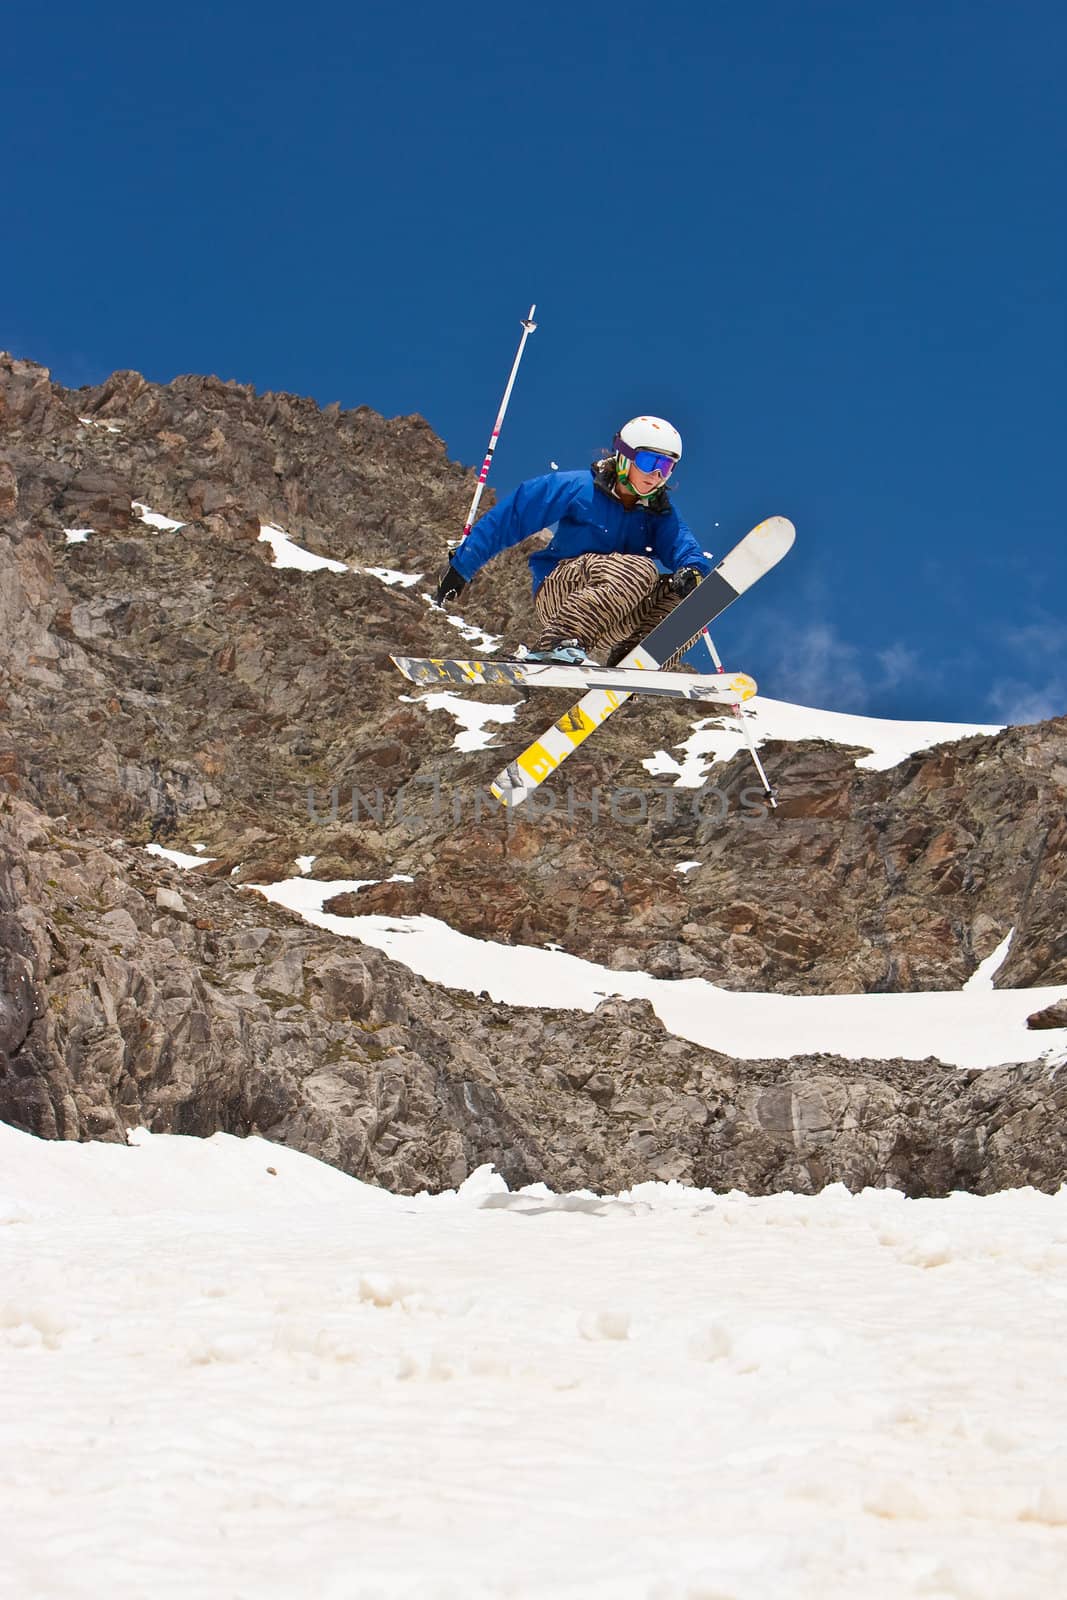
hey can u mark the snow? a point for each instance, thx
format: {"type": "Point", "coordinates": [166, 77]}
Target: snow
{"type": "Point", "coordinates": [961, 1027]}
{"type": "Point", "coordinates": [231, 1371]}
{"type": "Point", "coordinates": [686, 866]}
{"type": "Point", "coordinates": [177, 857]}
{"type": "Point", "coordinates": [486, 642]}
{"type": "Point", "coordinates": [289, 554]}
{"type": "Point", "coordinates": [156, 519]}
{"type": "Point", "coordinates": [981, 979]}
{"type": "Point", "coordinates": [78, 535]}
{"type": "Point", "coordinates": [305, 864]}
{"type": "Point", "coordinates": [91, 422]}
{"type": "Point", "coordinates": [889, 742]}
{"type": "Point", "coordinates": [472, 716]}
{"type": "Point", "coordinates": [387, 575]}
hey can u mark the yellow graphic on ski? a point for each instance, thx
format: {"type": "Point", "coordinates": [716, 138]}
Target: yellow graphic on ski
{"type": "Point", "coordinates": [542, 757]}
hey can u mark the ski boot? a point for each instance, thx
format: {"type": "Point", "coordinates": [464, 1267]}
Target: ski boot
{"type": "Point", "coordinates": [564, 653]}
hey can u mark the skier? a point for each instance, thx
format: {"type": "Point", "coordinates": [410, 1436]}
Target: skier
{"type": "Point", "coordinates": [621, 557]}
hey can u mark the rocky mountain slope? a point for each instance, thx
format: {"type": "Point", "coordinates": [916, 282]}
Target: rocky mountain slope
{"type": "Point", "coordinates": [177, 687]}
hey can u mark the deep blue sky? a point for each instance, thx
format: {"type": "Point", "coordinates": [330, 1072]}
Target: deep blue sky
{"type": "Point", "coordinates": [826, 238]}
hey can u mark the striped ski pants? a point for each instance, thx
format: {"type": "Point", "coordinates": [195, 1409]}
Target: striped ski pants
{"type": "Point", "coordinates": [603, 601]}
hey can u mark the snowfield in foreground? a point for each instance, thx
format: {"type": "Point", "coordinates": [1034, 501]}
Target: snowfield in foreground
{"type": "Point", "coordinates": [230, 1371]}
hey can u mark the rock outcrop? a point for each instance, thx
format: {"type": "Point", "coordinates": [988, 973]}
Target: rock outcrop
{"type": "Point", "coordinates": [132, 992]}
{"type": "Point", "coordinates": [177, 687]}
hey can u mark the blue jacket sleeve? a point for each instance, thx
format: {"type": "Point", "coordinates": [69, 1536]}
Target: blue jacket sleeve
{"type": "Point", "coordinates": [535, 504]}
{"type": "Point", "coordinates": [676, 545]}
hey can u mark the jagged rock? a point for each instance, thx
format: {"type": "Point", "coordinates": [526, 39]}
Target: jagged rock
{"type": "Point", "coordinates": [268, 1026]}
{"type": "Point", "coordinates": [170, 900]}
{"type": "Point", "coordinates": [9, 490]}
{"type": "Point", "coordinates": [100, 500]}
{"type": "Point", "coordinates": [1051, 1017]}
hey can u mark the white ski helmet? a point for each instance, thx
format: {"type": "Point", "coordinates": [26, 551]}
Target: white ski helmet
{"type": "Point", "coordinates": [647, 433]}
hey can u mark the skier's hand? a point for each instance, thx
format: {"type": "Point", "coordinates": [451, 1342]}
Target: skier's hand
{"type": "Point", "coordinates": [450, 587]}
{"type": "Point", "coordinates": [685, 580]}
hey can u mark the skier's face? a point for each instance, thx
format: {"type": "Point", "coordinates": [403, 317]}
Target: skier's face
{"type": "Point", "coordinates": [644, 482]}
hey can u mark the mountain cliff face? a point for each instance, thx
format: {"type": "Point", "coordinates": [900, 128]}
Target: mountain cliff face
{"type": "Point", "coordinates": [176, 687]}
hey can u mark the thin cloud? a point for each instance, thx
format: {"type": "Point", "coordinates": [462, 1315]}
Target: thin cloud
{"type": "Point", "coordinates": [1018, 704]}
{"type": "Point", "coordinates": [899, 665]}
{"type": "Point", "coordinates": [1045, 636]}
{"type": "Point", "coordinates": [1036, 689]}
{"type": "Point", "coordinates": [821, 668]}
{"type": "Point", "coordinates": [813, 665]}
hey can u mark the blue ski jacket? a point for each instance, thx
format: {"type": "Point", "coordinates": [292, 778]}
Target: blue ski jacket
{"type": "Point", "coordinates": [586, 519]}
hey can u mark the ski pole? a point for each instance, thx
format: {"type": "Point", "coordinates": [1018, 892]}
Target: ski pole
{"type": "Point", "coordinates": [528, 326]}
{"type": "Point", "coordinates": [768, 788]}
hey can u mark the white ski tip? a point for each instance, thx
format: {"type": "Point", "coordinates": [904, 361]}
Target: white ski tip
{"type": "Point", "coordinates": [757, 553]}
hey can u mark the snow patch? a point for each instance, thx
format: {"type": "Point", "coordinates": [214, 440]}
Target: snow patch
{"type": "Point", "coordinates": [286, 553]}
{"type": "Point", "coordinates": [887, 742]}
{"type": "Point", "coordinates": [178, 858]}
{"type": "Point", "coordinates": [156, 519]}
{"type": "Point", "coordinates": [471, 715]}
{"type": "Point", "coordinates": [78, 535]}
{"type": "Point", "coordinates": [487, 642]}
{"type": "Point", "coordinates": [981, 979]}
{"type": "Point", "coordinates": [108, 427]}
{"type": "Point", "coordinates": [963, 1028]}
{"type": "Point", "coordinates": [386, 575]}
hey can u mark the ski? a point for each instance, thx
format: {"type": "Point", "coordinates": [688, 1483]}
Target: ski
{"type": "Point", "coordinates": [729, 687]}
{"type": "Point", "coordinates": [744, 565]}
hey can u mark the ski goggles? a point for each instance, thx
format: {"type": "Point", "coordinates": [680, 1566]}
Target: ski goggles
{"type": "Point", "coordinates": [647, 460]}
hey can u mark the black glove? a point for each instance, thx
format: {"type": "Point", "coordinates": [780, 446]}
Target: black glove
{"type": "Point", "coordinates": [685, 580]}
{"type": "Point", "coordinates": [450, 587]}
